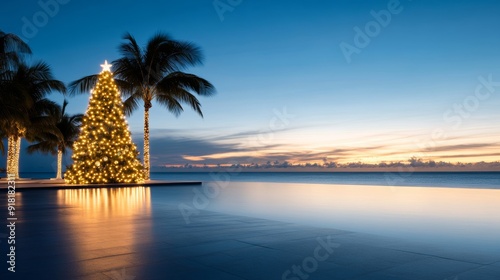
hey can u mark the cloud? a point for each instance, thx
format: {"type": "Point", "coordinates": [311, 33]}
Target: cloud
{"type": "Point", "coordinates": [181, 150]}
{"type": "Point", "coordinates": [326, 154]}
{"type": "Point", "coordinates": [181, 146]}
{"type": "Point", "coordinates": [471, 155]}
{"type": "Point", "coordinates": [449, 148]}
{"type": "Point", "coordinates": [250, 134]}
{"type": "Point", "coordinates": [172, 149]}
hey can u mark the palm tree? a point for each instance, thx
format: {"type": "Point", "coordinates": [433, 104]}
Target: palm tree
{"type": "Point", "coordinates": [28, 85]}
{"type": "Point", "coordinates": [12, 50]}
{"type": "Point", "coordinates": [57, 142]}
{"type": "Point", "coordinates": [153, 73]}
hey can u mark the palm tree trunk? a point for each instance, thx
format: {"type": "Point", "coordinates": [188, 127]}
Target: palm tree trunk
{"type": "Point", "coordinates": [146, 144]}
{"type": "Point", "coordinates": [16, 159]}
{"type": "Point", "coordinates": [11, 154]}
{"type": "Point", "coordinates": [59, 164]}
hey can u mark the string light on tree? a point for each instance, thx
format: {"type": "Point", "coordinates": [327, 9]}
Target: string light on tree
{"type": "Point", "coordinates": [104, 151]}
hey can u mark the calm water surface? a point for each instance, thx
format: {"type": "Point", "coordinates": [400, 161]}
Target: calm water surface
{"type": "Point", "coordinates": [468, 218]}
{"type": "Point", "coordinates": [450, 209]}
{"type": "Point", "coordinates": [490, 180]}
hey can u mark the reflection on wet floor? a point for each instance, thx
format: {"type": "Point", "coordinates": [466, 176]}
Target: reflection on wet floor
{"type": "Point", "coordinates": [104, 203]}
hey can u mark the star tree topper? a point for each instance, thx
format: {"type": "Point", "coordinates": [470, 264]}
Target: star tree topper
{"type": "Point", "coordinates": [106, 66]}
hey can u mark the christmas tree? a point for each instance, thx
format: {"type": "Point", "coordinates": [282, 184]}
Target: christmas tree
{"type": "Point", "coordinates": [104, 151]}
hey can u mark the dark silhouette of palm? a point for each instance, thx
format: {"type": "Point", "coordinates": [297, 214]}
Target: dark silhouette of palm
{"type": "Point", "coordinates": [12, 50]}
{"type": "Point", "coordinates": [58, 140]}
{"type": "Point", "coordinates": [27, 86]}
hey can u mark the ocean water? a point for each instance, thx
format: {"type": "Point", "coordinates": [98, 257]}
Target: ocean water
{"type": "Point", "coordinates": [446, 210]}
{"type": "Point", "coordinates": [485, 180]}
{"type": "Point", "coordinates": [462, 218]}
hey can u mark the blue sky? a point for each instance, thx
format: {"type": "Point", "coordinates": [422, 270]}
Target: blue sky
{"type": "Point", "coordinates": [388, 101]}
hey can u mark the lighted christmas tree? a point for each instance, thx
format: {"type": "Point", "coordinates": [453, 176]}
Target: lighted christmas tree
{"type": "Point", "coordinates": [104, 151]}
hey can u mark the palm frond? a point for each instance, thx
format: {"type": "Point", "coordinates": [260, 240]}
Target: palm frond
{"type": "Point", "coordinates": [12, 50]}
{"type": "Point", "coordinates": [44, 147]}
{"type": "Point", "coordinates": [131, 49]}
{"type": "Point", "coordinates": [83, 85]}
{"type": "Point", "coordinates": [126, 88]}
{"type": "Point", "coordinates": [11, 42]}
{"type": "Point", "coordinates": [169, 102]}
{"type": "Point", "coordinates": [154, 52]}
{"type": "Point", "coordinates": [53, 129]}
{"type": "Point", "coordinates": [74, 120]}
{"type": "Point", "coordinates": [188, 82]}
{"type": "Point", "coordinates": [41, 74]}
{"type": "Point", "coordinates": [46, 107]}
{"type": "Point", "coordinates": [177, 56]}
{"type": "Point", "coordinates": [131, 103]}
{"type": "Point", "coordinates": [184, 97]}
{"type": "Point", "coordinates": [63, 109]}
{"type": "Point", "coordinates": [131, 71]}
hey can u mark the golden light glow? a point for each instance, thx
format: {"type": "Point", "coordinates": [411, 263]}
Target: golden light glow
{"type": "Point", "coordinates": [103, 203]}
{"type": "Point", "coordinates": [106, 66]}
{"type": "Point", "coordinates": [104, 151]}
{"type": "Point", "coordinates": [17, 156]}
{"type": "Point", "coordinates": [59, 164]}
{"type": "Point", "coordinates": [11, 155]}
{"type": "Point", "coordinates": [114, 212]}
{"type": "Point", "coordinates": [147, 163]}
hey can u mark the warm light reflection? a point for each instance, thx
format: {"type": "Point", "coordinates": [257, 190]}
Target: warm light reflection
{"type": "Point", "coordinates": [106, 219]}
{"type": "Point", "coordinates": [104, 202]}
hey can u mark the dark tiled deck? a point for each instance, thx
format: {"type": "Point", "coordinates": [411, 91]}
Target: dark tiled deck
{"type": "Point", "coordinates": [60, 239]}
